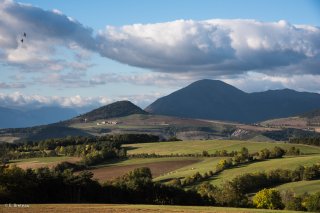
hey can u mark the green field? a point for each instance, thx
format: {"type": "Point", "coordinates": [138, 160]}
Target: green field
{"type": "Point", "coordinates": [301, 187]}
{"type": "Point", "coordinates": [125, 208]}
{"type": "Point", "coordinates": [192, 147]}
{"type": "Point", "coordinates": [281, 163]}
{"type": "Point", "coordinates": [203, 166]}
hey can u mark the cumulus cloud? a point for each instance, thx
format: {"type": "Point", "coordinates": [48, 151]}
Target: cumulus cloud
{"type": "Point", "coordinates": [218, 47]}
{"type": "Point", "coordinates": [249, 54]}
{"type": "Point", "coordinates": [47, 33]}
{"type": "Point", "coordinates": [80, 103]}
{"type": "Point", "coordinates": [253, 82]}
{"type": "Point", "coordinates": [212, 47]}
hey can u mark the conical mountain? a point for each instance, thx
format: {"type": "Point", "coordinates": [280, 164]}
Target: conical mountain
{"type": "Point", "coordinates": [213, 99]}
{"type": "Point", "coordinates": [116, 109]}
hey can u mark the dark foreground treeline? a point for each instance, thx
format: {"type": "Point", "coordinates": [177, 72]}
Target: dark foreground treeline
{"type": "Point", "coordinates": [53, 186]}
{"type": "Point", "coordinates": [136, 187]}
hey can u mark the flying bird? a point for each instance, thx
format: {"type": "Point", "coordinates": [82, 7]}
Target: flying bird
{"type": "Point", "coordinates": [21, 40]}
{"type": "Point", "coordinates": [25, 34]}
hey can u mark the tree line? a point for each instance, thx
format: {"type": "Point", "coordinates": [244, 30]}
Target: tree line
{"type": "Point", "coordinates": [315, 141]}
{"type": "Point", "coordinates": [92, 149]}
{"type": "Point", "coordinates": [45, 185]}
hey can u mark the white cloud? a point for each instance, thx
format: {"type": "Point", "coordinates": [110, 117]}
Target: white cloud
{"type": "Point", "coordinates": [253, 82]}
{"type": "Point", "coordinates": [23, 101]}
{"type": "Point", "coordinates": [217, 47]}
{"type": "Point", "coordinates": [46, 33]}
{"type": "Point", "coordinates": [18, 99]}
{"type": "Point", "coordinates": [247, 53]}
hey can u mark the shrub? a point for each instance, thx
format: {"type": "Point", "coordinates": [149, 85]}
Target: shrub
{"type": "Point", "coordinates": [268, 199]}
{"type": "Point", "coordinates": [312, 202]}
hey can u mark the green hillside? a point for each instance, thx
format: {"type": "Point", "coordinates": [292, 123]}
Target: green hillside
{"type": "Point", "coordinates": [300, 187]}
{"type": "Point", "coordinates": [281, 163]}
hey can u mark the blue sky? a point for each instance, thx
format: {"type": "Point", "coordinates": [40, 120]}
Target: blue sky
{"type": "Point", "coordinates": [95, 65]}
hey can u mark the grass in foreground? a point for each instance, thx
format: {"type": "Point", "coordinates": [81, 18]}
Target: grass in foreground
{"type": "Point", "coordinates": [124, 208]}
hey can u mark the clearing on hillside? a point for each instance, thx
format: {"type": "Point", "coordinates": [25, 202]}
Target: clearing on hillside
{"type": "Point", "coordinates": [50, 162]}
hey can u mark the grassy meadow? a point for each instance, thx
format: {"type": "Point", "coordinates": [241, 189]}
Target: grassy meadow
{"type": "Point", "coordinates": [301, 187]}
{"type": "Point", "coordinates": [197, 146]}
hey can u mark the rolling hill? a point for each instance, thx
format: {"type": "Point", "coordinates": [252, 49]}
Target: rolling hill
{"type": "Point", "coordinates": [216, 100]}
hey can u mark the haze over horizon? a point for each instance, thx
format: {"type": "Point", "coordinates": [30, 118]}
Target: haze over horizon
{"type": "Point", "coordinates": [88, 54]}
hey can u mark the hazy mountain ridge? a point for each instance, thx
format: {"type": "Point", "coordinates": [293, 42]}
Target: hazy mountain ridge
{"type": "Point", "coordinates": [213, 99]}
{"type": "Point", "coordinates": [14, 118]}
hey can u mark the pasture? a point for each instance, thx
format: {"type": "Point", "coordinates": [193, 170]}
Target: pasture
{"type": "Point", "coordinates": [301, 187]}
{"type": "Point", "coordinates": [197, 146]}
{"type": "Point", "coordinates": [267, 165]}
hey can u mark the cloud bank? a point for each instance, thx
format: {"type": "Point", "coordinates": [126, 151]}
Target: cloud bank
{"type": "Point", "coordinates": [216, 47]}
{"type": "Point", "coordinates": [20, 100]}
{"type": "Point", "coordinates": [249, 54]}
{"type": "Point", "coordinates": [47, 33]}
{"type": "Point", "coordinates": [80, 103]}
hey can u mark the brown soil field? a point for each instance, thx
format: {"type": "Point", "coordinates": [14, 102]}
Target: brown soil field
{"type": "Point", "coordinates": [157, 169]}
{"type": "Point", "coordinates": [37, 164]}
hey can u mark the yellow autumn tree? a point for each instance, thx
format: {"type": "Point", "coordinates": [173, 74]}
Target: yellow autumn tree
{"type": "Point", "coordinates": [268, 199]}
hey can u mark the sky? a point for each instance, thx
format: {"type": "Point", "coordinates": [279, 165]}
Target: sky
{"type": "Point", "coordinates": [81, 53]}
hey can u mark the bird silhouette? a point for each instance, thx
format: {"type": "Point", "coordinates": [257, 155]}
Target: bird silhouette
{"type": "Point", "coordinates": [25, 34]}
{"type": "Point", "coordinates": [21, 40]}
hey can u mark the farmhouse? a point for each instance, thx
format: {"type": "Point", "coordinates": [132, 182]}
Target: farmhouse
{"type": "Point", "coordinates": [107, 123]}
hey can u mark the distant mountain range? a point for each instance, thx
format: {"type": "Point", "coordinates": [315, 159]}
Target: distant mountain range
{"type": "Point", "coordinates": [216, 100]}
{"type": "Point", "coordinates": [221, 102]}
{"type": "Point", "coordinates": [14, 118]}
{"type": "Point", "coordinates": [204, 99]}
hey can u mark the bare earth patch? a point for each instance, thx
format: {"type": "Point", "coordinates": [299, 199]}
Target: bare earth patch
{"type": "Point", "coordinates": [157, 169]}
